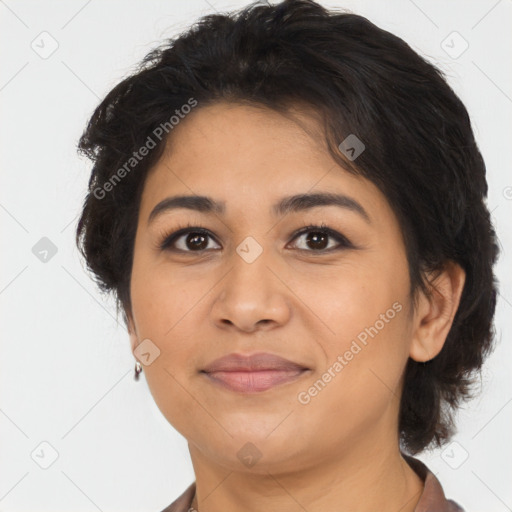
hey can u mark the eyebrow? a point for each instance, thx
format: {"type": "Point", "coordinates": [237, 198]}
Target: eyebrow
{"type": "Point", "coordinates": [286, 205]}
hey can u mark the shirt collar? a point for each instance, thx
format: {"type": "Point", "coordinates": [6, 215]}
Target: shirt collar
{"type": "Point", "coordinates": [432, 498]}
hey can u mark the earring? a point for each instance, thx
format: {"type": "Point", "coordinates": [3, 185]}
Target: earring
{"type": "Point", "coordinates": [138, 370]}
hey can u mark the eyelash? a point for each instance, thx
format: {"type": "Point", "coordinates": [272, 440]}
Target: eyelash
{"type": "Point", "coordinates": [168, 239]}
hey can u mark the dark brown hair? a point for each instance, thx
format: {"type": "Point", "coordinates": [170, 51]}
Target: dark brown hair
{"type": "Point", "coordinates": [420, 152]}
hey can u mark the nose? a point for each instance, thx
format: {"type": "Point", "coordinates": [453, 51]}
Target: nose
{"type": "Point", "coordinates": [251, 296]}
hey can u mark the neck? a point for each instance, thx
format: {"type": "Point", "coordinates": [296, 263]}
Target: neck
{"type": "Point", "coordinates": [374, 479]}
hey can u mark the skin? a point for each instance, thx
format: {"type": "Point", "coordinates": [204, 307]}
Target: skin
{"type": "Point", "coordinates": [340, 451]}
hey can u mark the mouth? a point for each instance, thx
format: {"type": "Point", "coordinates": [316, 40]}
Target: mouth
{"type": "Point", "coordinates": [253, 373]}
{"type": "Point", "coordinates": [253, 381]}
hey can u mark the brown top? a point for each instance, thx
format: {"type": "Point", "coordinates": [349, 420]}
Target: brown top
{"type": "Point", "coordinates": [432, 499]}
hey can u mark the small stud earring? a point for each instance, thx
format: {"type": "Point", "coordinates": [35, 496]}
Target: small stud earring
{"type": "Point", "coordinates": [138, 370]}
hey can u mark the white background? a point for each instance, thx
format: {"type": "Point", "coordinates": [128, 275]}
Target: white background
{"type": "Point", "coordinates": [66, 371]}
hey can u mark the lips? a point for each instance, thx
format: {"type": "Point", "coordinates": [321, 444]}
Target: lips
{"type": "Point", "coordinates": [254, 373]}
{"type": "Point", "coordinates": [255, 362]}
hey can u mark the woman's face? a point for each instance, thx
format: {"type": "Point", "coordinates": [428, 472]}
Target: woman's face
{"type": "Point", "coordinates": [252, 284]}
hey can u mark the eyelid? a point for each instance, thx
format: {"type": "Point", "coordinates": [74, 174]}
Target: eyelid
{"type": "Point", "coordinates": [343, 241]}
{"type": "Point", "coordinates": [167, 239]}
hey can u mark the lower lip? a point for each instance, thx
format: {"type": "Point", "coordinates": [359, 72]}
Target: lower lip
{"type": "Point", "coordinates": [254, 382]}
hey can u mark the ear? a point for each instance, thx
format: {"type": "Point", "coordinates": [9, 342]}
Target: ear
{"type": "Point", "coordinates": [434, 316]}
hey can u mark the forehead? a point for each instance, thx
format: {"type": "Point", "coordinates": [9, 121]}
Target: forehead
{"type": "Point", "coordinates": [247, 156]}
{"type": "Point", "coordinates": [229, 133]}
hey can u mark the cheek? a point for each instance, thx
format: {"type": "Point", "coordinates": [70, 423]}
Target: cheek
{"type": "Point", "coordinates": [164, 310]}
{"type": "Point", "coordinates": [353, 298]}
{"type": "Point", "coordinates": [366, 343]}
{"type": "Point", "coordinates": [162, 297]}
{"type": "Point", "coordinates": [361, 379]}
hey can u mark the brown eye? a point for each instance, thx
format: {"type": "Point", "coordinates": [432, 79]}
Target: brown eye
{"type": "Point", "coordinates": [316, 239]}
{"type": "Point", "coordinates": [196, 241]}
{"type": "Point", "coordinates": [187, 240]}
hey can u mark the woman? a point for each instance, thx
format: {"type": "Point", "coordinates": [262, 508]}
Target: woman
{"type": "Point", "coordinates": [289, 206]}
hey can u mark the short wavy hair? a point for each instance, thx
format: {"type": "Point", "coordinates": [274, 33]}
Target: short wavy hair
{"type": "Point", "coordinates": [420, 152]}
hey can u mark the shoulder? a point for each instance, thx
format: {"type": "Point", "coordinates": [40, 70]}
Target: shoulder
{"type": "Point", "coordinates": [184, 502]}
{"type": "Point", "coordinates": [433, 498]}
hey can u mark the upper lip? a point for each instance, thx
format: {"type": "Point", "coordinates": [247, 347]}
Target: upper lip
{"type": "Point", "coordinates": [254, 362]}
